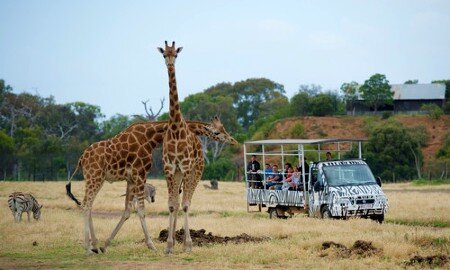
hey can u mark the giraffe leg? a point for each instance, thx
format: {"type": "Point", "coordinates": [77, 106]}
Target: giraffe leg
{"type": "Point", "coordinates": [189, 185]}
{"type": "Point", "coordinates": [141, 213]}
{"type": "Point", "coordinates": [93, 186]}
{"type": "Point", "coordinates": [126, 215]}
{"type": "Point", "coordinates": [94, 240]}
{"type": "Point", "coordinates": [173, 185]}
{"type": "Point", "coordinates": [87, 232]}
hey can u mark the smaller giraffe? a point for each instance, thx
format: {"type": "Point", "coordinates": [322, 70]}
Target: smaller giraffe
{"type": "Point", "coordinates": [128, 156]}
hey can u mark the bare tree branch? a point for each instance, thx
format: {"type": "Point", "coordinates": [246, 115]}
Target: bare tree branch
{"type": "Point", "coordinates": [149, 111]}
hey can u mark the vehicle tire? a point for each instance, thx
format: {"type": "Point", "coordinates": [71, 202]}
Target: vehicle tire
{"type": "Point", "coordinates": [273, 213]}
{"type": "Point", "coordinates": [325, 213]}
{"type": "Point", "coordinates": [378, 218]}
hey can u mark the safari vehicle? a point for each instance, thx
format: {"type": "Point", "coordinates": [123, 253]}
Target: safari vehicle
{"type": "Point", "coordinates": [336, 188]}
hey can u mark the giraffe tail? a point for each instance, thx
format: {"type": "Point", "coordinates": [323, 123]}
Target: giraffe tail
{"type": "Point", "coordinates": [69, 185]}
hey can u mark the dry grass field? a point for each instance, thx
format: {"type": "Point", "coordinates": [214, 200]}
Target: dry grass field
{"type": "Point", "coordinates": [418, 223]}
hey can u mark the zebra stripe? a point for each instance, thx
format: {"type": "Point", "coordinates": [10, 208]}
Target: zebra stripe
{"type": "Point", "coordinates": [20, 202]}
{"type": "Point", "coordinates": [275, 197]}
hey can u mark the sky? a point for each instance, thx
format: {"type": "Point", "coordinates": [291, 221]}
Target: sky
{"type": "Point", "coordinates": [104, 52]}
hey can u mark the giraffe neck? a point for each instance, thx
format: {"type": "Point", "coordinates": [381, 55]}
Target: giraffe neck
{"type": "Point", "coordinates": [174, 106]}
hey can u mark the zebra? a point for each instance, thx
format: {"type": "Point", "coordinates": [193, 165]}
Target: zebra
{"type": "Point", "coordinates": [23, 202]}
{"type": "Point", "coordinates": [149, 194]}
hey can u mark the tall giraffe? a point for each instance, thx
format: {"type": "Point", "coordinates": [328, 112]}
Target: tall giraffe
{"type": "Point", "coordinates": [128, 156]}
{"type": "Point", "coordinates": [182, 156]}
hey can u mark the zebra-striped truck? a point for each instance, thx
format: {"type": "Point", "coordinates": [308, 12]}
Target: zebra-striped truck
{"type": "Point", "coordinates": [327, 187]}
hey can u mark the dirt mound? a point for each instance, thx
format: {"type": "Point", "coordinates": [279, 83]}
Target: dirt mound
{"type": "Point", "coordinates": [360, 248]}
{"type": "Point", "coordinates": [201, 238]}
{"type": "Point", "coordinates": [353, 127]}
{"type": "Point", "coordinates": [435, 260]}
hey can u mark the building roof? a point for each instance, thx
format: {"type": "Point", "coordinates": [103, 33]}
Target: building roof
{"type": "Point", "coordinates": [302, 141]}
{"type": "Point", "coordinates": [418, 91]}
{"type": "Point", "coordinates": [425, 91]}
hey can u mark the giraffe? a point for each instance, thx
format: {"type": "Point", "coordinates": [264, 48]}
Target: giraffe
{"type": "Point", "coordinates": [128, 156]}
{"type": "Point", "coordinates": [182, 156]}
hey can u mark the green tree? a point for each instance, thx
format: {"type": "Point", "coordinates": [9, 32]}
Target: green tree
{"type": "Point", "coordinates": [412, 82]}
{"type": "Point", "coordinates": [6, 153]}
{"type": "Point", "coordinates": [114, 125]}
{"type": "Point", "coordinates": [444, 152]}
{"type": "Point", "coordinates": [376, 91]}
{"type": "Point", "coordinates": [251, 96]}
{"type": "Point", "coordinates": [393, 152]}
{"type": "Point", "coordinates": [322, 105]}
{"type": "Point", "coordinates": [351, 94]}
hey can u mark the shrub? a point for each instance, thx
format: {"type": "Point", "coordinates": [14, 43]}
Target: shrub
{"type": "Point", "coordinates": [298, 131]}
{"type": "Point", "coordinates": [433, 110]}
{"type": "Point", "coordinates": [219, 169]}
{"type": "Point", "coordinates": [390, 152]}
{"type": "Point", "coordinates": [386, 115]}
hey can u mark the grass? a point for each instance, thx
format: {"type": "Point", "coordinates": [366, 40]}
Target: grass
{"type": "Point", "coordinates": [432, 182]}
{"type": "Point", "coordinates": [417, 223]}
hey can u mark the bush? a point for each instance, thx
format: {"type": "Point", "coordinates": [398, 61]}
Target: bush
{"type": "Point", "coordinates": [444, 152]}
{"type": "Point", "coordinates": [298, 131]}
{"type": "Point", "coordinates": [386, 115]}
{"type": "Point", "coordinates": [219, 170]}
{"type": "Point", "coordinates": [433, 110]}
{"type": "Point", "coordinates": [389, 152]}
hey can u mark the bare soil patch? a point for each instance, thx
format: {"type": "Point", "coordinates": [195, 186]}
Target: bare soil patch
{"type": "Point", "coordinates": [434, 260]}
{"type": "Point", "coordinates": [201, 238]}
{"type": "Point", "coordinates": [360, 248]}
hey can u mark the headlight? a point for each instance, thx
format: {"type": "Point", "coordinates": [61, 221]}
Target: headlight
{"type": "Point", "coordinates": [381, 198]}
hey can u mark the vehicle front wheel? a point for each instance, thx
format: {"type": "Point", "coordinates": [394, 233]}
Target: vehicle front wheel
{"type": "Point", "coordinates": [378, 218]}
{"type": "Point", "coordinates": [325, 213]}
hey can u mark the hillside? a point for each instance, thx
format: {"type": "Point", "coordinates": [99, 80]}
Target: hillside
{"type": "Point", "coordinates": [353, 127]}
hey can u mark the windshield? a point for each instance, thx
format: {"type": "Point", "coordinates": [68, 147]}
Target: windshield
{"type": "Point", "coordinates": [352, 174]}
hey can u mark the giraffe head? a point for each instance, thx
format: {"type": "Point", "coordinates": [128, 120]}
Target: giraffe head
{"type": "Point", "coordinates": [170, 53]}
{"type": "Point", "coordinates": [218, 131]}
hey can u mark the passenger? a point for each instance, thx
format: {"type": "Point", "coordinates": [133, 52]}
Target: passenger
{"type": "Point", "coordinates": [275, 179]}
{"type": "Point", "coordinates": [286, 168]}
{"type": "Point", "coordinates": [287, 181]}
{"type": "Point", "coordinates": [267, 171]}
{"type": "Point", "coordinates": [253, 175]}
{"type": "Point", "coordinates": [328, 154]}
{"type": "Point", "coordinates": [306, 167]}
{"type": "Point", "coordinates": [295, 180]}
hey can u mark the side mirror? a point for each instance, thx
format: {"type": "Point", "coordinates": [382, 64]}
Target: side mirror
{"type": "Point", "coordinates": [318, 186]}
{"type": "Point", "coordinates": [378, 179]}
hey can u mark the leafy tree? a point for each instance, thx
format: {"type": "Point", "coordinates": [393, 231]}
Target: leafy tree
{"type": "Point", "coordinates": [376, 91]}
{"type": "Point", "coordinates": [114, 125]}
{"type": "Point", "coordinates": [351, 94]}
{"type": "Point", "coordinates": [322, 105]}
{"type": "Point", "coordinates": [219, 170]}
{"type": "Point", "coordinates": [393, 152]}
{"type": "Point", "coordinates": [6, 153]}
{"type": "Point", "coordinates": [300, 104]}
{"type": "Point", "coordinates": [251, 96]}
{"type": "Point", "coordinates": [412, 82]}
{"type": "Point", "coordinates": [444, 152]}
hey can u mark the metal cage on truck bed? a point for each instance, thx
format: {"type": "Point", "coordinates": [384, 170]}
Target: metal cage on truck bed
{"type": "Point", "coordinates": [288, 200]}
